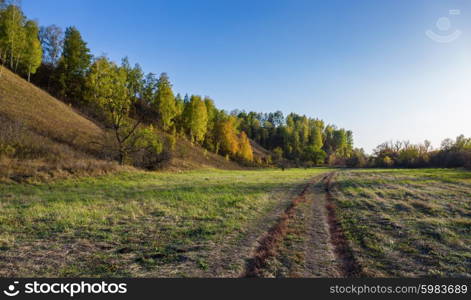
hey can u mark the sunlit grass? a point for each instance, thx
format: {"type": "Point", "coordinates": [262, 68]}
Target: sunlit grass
{"type": "Point", "coordinates": [149, 214]}
{"type": "Point", "coordinates": [408, 222]}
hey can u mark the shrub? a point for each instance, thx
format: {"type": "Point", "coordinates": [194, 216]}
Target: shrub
{"type": "Point", "coordinates": [7, 150]}
{"type": "Point", "coordinates": [387, 162]}
{"type": "Point", "coordinates": [358, 159]}
{"type": "Point", "coordinates": [277, 154]}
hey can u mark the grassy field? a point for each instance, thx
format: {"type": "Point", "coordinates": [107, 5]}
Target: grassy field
{"type": "Point", "coordinates": [407, 223]}
{"type": "Point", "coordinates": [400, 223]}
{"type": "Point", "coordinates": [136, 224]}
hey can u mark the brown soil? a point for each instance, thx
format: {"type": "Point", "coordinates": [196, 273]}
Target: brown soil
{"type": "Point", "coordinates": [267, 245]}
{"type": "Point", "coordinates": [229, 259]}
{"type": "Point", "coordinates": [348, 265]}
{"type": "Point", "coordinates": [307, 240]}
{"type": "Point", "coordinates": [320, 259]}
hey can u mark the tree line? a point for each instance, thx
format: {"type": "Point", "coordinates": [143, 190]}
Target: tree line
{"type": "Point", "coordinates": [453, 153]}
{"type": "Point", "coordinates": [298, 138]}
{"type": "Point", "coordinates": [20, 48]}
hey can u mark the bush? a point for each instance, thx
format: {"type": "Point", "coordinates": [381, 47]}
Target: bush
{"type": "Point", "coordinates": [358, 159]}
{"type": "Point", "coordinates": [387, 162]}
{"type": "Point", "coordinates": [6, 150]}
{"type": "Point", "coordinates": [277, 155]}
{"type": "Point", "coordinates": [335, 160]}
{"type": "Point", "coordinates": [314, 155]}
{"type": "Point", "coordinates": [146, 148]}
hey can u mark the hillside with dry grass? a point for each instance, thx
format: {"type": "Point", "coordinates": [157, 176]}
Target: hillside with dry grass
{"type": "Point", "coordinates": [43, 114]}
{"type": "Point", "coordinates": [43, 138]}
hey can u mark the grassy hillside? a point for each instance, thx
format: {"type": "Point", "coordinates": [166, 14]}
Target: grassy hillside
{"type": "Point", "coordinates": [44, 138]}
{"type": "Point", "coordinates": [43, 114]}
{"type": "Point", "coordinates": [189, 157]}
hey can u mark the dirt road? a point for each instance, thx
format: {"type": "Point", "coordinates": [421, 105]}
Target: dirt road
{"type": "Point", "coordinates": [306, 240]}
{"type": "Point", "coordinates": [298, 237]}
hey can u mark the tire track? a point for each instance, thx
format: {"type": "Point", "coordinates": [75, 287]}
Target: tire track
{"type": "Point", "coordinates": [348, 265]}
{"type": "Point", "coordinates": [270, 241]}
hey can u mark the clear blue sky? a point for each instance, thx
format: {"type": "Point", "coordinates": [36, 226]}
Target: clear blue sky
{"type": "Point", "coordinates": [364, 65]}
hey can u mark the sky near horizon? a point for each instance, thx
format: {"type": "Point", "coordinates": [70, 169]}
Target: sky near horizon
{"type": "Point", "coordinates": [387, 70]}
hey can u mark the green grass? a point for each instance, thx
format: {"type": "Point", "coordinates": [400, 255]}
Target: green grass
{"type": "Point", "coordinates": [408, 222]}
{"type": "Point", "coordinates": [132, 224]}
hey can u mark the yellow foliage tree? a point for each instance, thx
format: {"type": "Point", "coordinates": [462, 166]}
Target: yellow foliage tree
{"type": "Point", "coordinates": [245, 149]}
{"type": "Point", "coordinates": [228, 136]}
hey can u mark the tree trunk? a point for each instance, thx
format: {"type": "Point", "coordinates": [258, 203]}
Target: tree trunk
{"type": "Point", "coordinates": [122, 157]}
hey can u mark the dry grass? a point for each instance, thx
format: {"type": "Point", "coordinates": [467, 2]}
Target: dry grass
{"type": "Point", "coordinates": [45, 115]}
{"type": "Point", "coordinates": [190, 157]}
{"type": "Point", "coordinates": [46, 138]}
{"type": "Point", "coordinates": [140, 224]}
{"type": "Point", "coordinates": [407, 223]}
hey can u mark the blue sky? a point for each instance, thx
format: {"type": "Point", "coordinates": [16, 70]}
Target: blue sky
{"type": "Point", "coordinates": [364, 65]}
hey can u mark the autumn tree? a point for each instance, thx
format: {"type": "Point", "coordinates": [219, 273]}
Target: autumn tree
{"type": "Point", "coordinates": [32, 53]}
{"type": "Point", "coordinates": [196, 119]}
{"type": "Point", "coordinates": [19, 41]}
{"type": "Point", "coordinates": [107, 87]}
{"type": "Point", "coordinates": [13, 35]}
{"type": "Point", "coordinates": [313, 149]}
{"type": "Point", "coordinates": [245, 149]}
{"type": "Point", "coordinates": [164, 102]}
{"type": "Point", "coordinates": [227, 135]}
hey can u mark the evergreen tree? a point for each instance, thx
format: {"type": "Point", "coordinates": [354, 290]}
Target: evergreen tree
{"type": "Point", "coordinates": [179, 116]}
{"type": "Point", "coordinates": [134, 79]}
{"type": "Point", "coordinates": [149, 89]}
{"type": "Point", "coordinates": [73, 65]}
{"type": "Point", "coordinates": [212, 112]}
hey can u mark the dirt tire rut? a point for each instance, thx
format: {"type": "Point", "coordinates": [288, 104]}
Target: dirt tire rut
{"type": "Point", "coordinates": [320, 258]}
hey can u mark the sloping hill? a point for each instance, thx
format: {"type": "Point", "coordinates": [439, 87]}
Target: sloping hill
{"type": "Point", "coordinates": [259, 152]}
{"type": "Point", "coordinates": [42, 137]}
{"type": "Point", "coordinates": [43, 114]}
{"type": "Point", "coordinates": [187, 156]}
